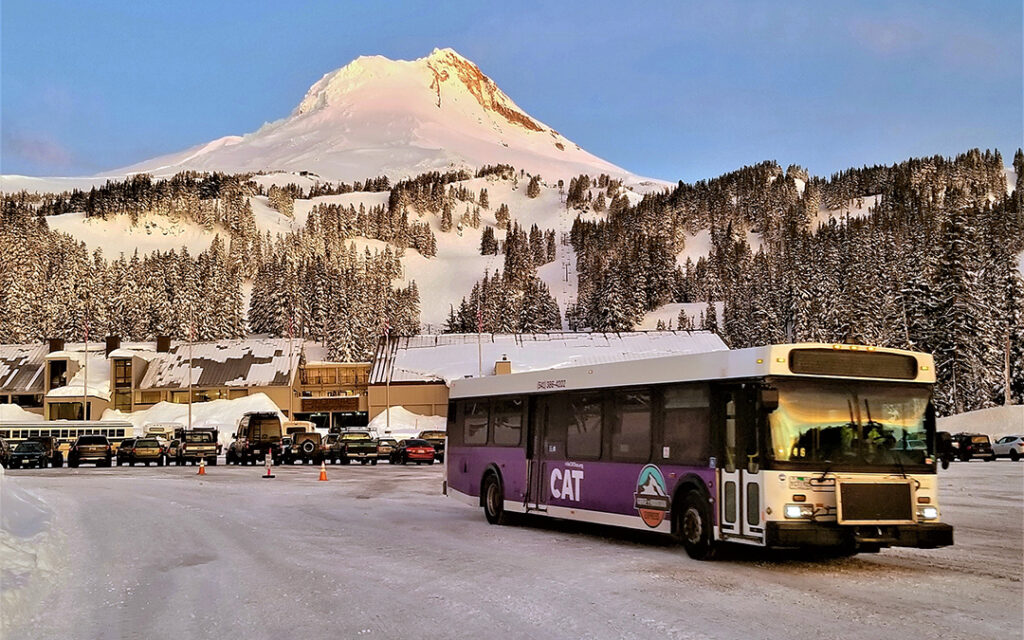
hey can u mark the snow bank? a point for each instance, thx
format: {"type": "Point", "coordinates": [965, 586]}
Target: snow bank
{"type": "Point", "coordinates": [14, 413]}
{"type": "Point", "coordinates": [28, 561]}
{"type": "Point", "coordinates": [405, 423]}
{"type": "Point", "coordinates": [223, 414]}
{"type": "Point", "coordinates": [993, 422]}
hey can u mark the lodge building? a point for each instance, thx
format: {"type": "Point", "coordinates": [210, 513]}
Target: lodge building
{"type": "Point", "coordinates": [76, 381]}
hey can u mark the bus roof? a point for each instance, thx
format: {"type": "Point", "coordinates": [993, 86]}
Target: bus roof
{"type": "Point", "coordinates": [817, 360]}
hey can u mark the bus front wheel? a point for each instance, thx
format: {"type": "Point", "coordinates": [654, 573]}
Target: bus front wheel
{"type": "Point", "coordinates": [694, 527]}
{"type": "Point", "coordinates": [494, 499]}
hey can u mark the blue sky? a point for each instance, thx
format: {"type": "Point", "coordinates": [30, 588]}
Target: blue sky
{"type": "Point", "coordinates": [673, 90]}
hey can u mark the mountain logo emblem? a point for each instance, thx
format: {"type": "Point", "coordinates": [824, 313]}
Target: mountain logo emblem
{"type": "Point", "coordinates": [651, 497]}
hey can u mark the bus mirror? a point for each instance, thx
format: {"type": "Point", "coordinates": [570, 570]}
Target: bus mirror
{"type": "Point", "coordinates": [769, 399]}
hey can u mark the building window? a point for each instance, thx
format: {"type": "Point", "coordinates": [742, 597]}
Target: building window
{"type": "Point", "coordinates": [123, 400]}
{"type": "Point", "coordinates": [237, 393]}
{"type": "Point", "coordinates": [65, 411]}
{"type": "Point", "coordinates": [28, 400]}
{"type": "Point", "coordinates": [180, 397]}
{"type": "Point", "coordinates": [149, 397]}
{"type": "Point", "coordinates": [58, 373]}
{"type": "Point", "coordinates": [122, 373]}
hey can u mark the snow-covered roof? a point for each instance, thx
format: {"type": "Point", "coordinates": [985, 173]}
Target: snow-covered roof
{"type": "Point", "coordinates": [21, 368]}
{"type": "Point", "coordinates": [446, 357]}
{"type": "Point", "coordinates": [255, 362]}
{"type": "Point", "coordinates": [98, 385]}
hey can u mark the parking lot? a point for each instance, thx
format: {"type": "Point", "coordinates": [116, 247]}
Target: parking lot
{"type": "Point", "coordinates": [160, 552]}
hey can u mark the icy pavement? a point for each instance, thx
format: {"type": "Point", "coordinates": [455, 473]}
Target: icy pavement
{"type": "Point", "coordinates": [377, 552]}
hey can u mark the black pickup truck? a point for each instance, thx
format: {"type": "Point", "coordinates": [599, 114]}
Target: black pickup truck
{"type": "Point", "coordinates": [359, 445]}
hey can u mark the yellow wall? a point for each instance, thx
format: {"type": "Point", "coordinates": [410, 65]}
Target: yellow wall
{"type": "Point", "coordinates": [425, 399]}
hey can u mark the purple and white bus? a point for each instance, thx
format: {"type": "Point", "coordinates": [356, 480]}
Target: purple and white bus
{"type": "Point", "coordinates": [807, 445]}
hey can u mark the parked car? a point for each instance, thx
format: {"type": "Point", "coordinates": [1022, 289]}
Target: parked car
{"type": "Point", "coordinates": [172, 450]}
{"type": "Point", "coordinates": [52, 447]}
{"type": "Point", "coordinates": [124, 450]}
{"type": "Point", "coordinates": [973, 445]}
{"type": "Point", "coordinates": [416, 450]}
{"type": "Point", "coordinates": [5, 453]}
{"type": "Point", "coordinates": [1011, 447]}
{"type": "Point", "coordinates": [359, 445]}
{"type": "Point", "coordinates": [305, 447]}
{"type": "Point", "coordinates": [29, 453]}
{"type": "Point", "coordinates": [95, 449]}
{"type": "Point", "coordinates": [333, 448]}
{"type": "Point", "coordinates": [258, 433]}
{"type": "Point", "coordinates": [146, 450]}
{"type": "Point", "coordinates": [195, 445]}
{"type": "Point", "coordinates": [384, 448]}
{"type": "Point", "coordinates": [436, 439]}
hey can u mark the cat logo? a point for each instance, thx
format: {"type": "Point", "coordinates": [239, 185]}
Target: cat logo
{"type": "Point", "coordinates": [651, 497]}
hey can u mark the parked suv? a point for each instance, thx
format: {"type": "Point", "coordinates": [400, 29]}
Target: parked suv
{"type": "Point", "coordinates": [1011, 447]}
{"type": "Point", "coordinates": [146, 450]}
{"type": "Point", "coordinates": [973, 445]}
{"type": "Point", "coordinates": [52, 447]}
{"type": "Point", "coordinates": [94, 449]}
{"type": "Point", "coordinates": [305, 447]}
{"type": "Point", "coordinates": [124, 450]}
{"type": "Point", "coordinates": [259, 432]}
{"type": "Point", "coordinates": [29, 453]}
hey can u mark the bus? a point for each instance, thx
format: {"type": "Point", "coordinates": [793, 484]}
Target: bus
{"type": "Point", "coordinates": [781, 446]}
{"type": "Point", "coordinates": [66, 431]}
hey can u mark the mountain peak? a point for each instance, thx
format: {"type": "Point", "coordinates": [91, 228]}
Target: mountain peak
{"type": "Point", "coordinates": [377, 116]}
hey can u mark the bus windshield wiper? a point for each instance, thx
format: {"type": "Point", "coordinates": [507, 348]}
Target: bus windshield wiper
{"type": "Point", "coordinates": [878, 427]}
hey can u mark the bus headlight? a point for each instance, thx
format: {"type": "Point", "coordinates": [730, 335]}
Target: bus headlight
{"type": "Point", "coordinates": [797, 511]}
{"type": "Point", "coordinates": [927, 512]}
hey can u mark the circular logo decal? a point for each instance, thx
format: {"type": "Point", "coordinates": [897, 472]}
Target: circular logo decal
{"type": "Point", "coordinates": [651, 497]}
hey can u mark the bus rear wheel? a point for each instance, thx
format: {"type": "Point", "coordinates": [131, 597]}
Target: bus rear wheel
{"type": "Point", "coordinates": [693, 527]}
{"type": "Point", "coordinates": [494, 500]}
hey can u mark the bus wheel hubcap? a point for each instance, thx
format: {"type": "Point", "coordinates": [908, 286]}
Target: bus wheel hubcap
{"type": "Point", "coordinates": [691, 526]}
{"type": "Point", "coordinates": [492, 498]}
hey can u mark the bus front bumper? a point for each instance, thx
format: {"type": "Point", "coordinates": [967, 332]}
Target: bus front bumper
{"type": "Point", "coordinates": [926, 535]}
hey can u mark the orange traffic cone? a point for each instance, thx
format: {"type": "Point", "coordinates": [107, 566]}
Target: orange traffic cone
{"type": "Point", "coordinates": [269, 463]}
{"type": "Point", "coordinates": [202, 467]}
{"type": "Point", "coordinates": [323, 472]}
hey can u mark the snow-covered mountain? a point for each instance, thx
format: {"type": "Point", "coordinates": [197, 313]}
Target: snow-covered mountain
{"type": "Point", "coordinates": [377, 116]}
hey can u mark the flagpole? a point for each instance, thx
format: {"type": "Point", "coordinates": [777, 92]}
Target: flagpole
{"type": "Point", "coordinates": [387, 380]}
{"type": "Point", "coordinates": [191, 337]}
{"type": "Point", "coordinates": [85, 383]}
{"type": "Point", "coordinates": [291, 382]}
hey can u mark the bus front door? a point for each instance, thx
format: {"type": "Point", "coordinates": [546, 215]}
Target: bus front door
{"type": "Point", "coordinates": [740, 481]}
{"type": "Point", "coordinates": [535, 499]}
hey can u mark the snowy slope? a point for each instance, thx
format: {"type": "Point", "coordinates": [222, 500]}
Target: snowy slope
{"type": "Point", "coordinates": [994, 421]}
{"type": "Point", "coordinates": [116, 235]}
{"type": "Point", "coordinates": [377, 116]}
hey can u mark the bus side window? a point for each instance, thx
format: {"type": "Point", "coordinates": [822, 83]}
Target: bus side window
{"type": "Point", "coordinates": [507, 421]}
{"type": "Point", "coordinates": [455, 410]}
{"type": "Point", "coordinates": [631, 426]}
{"type": "Point", "coordinates": [730, 434]}
{"type": "Point", "coordinates": [583, 436]}
{"type": "Point", "coordinates": [687, 425]}
{"type": "Point", "coordinates": [474, 422]}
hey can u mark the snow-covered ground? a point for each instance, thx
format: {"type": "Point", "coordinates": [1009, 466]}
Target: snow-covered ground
{"type": "Point", "coordinates": [378, 552]}
{"type": "Point", "coordinates": [116, 235]}
{"type": "Point", "coordinates": [14, 413]}
{"type": "Point", "coordinates": [669, 315]}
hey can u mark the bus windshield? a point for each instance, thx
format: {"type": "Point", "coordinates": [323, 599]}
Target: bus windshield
{"type": "Point", "coordinates": [850, 424]}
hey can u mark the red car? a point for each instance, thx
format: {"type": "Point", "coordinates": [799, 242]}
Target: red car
{"type": "Point", "coordinates": [418, 451]}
